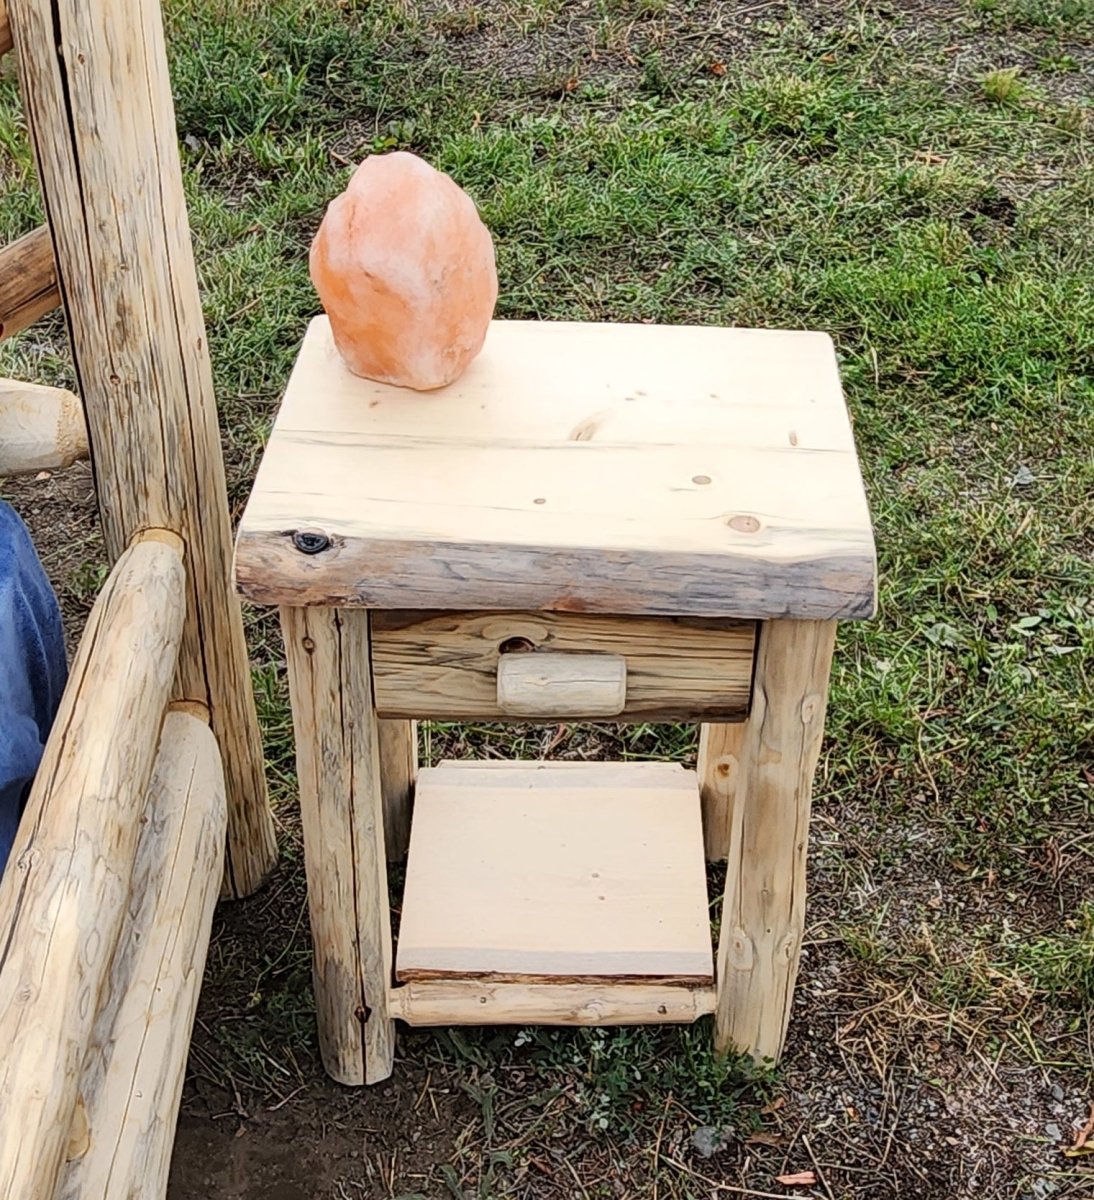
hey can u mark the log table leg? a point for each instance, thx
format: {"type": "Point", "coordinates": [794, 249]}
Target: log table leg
{"type": "Point", "coordinates": [338, 767]}
{"type": "Point", "coordinates": [764, 909]}
{"type": "Point", "coordinates": [398, 771]}
{"type": "Point", "coordinates": [719, 770]}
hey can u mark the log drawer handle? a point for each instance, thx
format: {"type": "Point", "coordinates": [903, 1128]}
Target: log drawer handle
{"type": "Point", "coordinates": [546, 684]}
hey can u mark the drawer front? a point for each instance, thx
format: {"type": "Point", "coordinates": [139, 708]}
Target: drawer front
{"type": "Point", "coordinates": [445, 665]}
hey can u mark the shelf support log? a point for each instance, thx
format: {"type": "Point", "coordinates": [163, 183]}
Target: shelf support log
{"type": "Point", "coordinates": [718, 769]}
{"type": "Point", "coordinates": [398, 771]}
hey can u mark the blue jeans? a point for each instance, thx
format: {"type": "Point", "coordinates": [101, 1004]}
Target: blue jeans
{"type": "Point", "coordinates": [32, 669]}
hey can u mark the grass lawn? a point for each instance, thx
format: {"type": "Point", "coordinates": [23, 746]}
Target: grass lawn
{"type": "Point", "coordinates": [914, 178]}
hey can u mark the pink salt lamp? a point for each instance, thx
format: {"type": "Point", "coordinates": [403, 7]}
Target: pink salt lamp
{"type": "Point", "coordinates": [405, 270]}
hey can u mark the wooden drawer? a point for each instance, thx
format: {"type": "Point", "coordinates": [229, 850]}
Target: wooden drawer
{"type": "Point", "coordinates": [445, 664]}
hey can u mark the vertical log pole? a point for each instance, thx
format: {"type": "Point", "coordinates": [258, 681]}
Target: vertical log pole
{"type": "Point", "coordinates": [719, 769]}
{"type": "Point", "coordinates": [342, 816]}
{"type": "Point", "coordinates": [398, 771]}
{"type": "Point", "coordinates": [99, 107]}
{"type": "Point", "coordinates": [763, 916]}
{"type": "Point", "coordinates": [5, 29]}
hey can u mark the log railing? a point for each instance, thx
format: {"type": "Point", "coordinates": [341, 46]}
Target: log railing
{"type": "Point", "coordinates": [106, 903]}
{"type": "Point", "coordinates": [5, 29]}
{"type": "Point", "coordinates": [41, 428]}
{"type": "Point", "coordinates": [28, 278]}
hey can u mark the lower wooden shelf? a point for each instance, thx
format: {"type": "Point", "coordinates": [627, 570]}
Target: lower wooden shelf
{"type": "Point", "coordinates": [569, 893]}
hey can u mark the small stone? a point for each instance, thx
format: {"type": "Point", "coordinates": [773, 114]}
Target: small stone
{"type": "Point", "coordinates": [707, 1140]}
{"type": "Point", "coordinates": [405, 270]}
{"type": "Point", "coordinates": [1057, 1092]}
{"type": "Point", "coordinates": [1023, 477]}
{"type": "Point", "coordinates": [1053, 1131]}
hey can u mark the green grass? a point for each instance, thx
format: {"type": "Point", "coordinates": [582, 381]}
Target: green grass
{"type": "Point", "coordinates": [935, 217]}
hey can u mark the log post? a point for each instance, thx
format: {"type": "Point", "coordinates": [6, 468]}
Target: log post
{"type": "Point", "coordinates": [133, 1074]}
{"type": "Point", "coordinates": [341, 813]}
{"type": "Point", "coordinates": [28, 279]}
{"type": "Point", "coordinates": [718, 769]}
{"type": "Point", "coordinates": [63, 895]}
{"type": "Point", "coordinates": [398, 771]}
{"type": "Point", "coordinates": [98, 103]}
{"type": "Point", "coordinates": [41, 428]}
{"type": "Point", "coordinates": [763, 915]}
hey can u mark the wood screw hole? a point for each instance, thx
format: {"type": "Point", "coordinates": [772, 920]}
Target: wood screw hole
{"type": "Point", "coordinates": [309, 541]}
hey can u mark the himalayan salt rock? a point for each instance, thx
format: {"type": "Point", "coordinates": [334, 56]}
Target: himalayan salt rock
{"type": "Point", "coordinates": [405, 270]}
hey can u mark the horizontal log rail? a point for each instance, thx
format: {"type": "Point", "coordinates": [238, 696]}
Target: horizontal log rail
{"type": "Point", "coordinates": [64, 894]}
{"type": "Point", "coordinates": [28, 281]}
{"type": "Point", "coordinates": [41, 428]}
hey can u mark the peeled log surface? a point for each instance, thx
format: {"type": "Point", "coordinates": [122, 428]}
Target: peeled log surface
{"type": "Point", "coordinates": [139, 346]}
{"type": "Point", "coordinates": [5, 29]}
{"type": "Point", "coordinates": [41, 428]}
{"type": "Point", "coordinates": [64, 893]}
{"type": "Point", "coordinates": [132, 1080]}
{"type": "Point", "coordinates": [719, 769]}
{"type": "Point", "coordinates": [763, 912]}
{"type": "Point", "coordinates": [398, 771]}
{"type": "Point", "coordinates": [482, 1002]}
{"type": "Point", "coordinates": [28, 277]}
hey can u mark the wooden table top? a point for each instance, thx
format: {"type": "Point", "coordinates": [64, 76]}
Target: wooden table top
{"type": "Point", "coordinates": [574, 467]}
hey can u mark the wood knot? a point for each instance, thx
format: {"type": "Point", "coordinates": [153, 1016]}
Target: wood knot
{"type": "Point", "coordinates": [810, 707]}
{"type": "Point", "coordinates": [310, 541]}
{"type": "Point", "coordinates": [743, 523]}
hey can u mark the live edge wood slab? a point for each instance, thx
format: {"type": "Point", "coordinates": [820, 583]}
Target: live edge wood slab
{"type": "Point", "coordinates": [614, 522]}
{"type": "Point", "coordinates": [573, 468]}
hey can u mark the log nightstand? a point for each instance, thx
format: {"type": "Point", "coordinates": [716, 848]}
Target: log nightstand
{"type": "Point", "coordinates": [601, 522]}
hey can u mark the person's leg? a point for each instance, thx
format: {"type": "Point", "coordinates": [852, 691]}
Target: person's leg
{"type": "Point", "coordinates": [32, 669]}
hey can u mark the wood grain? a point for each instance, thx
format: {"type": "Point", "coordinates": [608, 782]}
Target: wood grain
{"type": "Point", "coordinates": [444, 665]}
{"type": "Point", "coordinates": [28, 277]}
{"type": "Point", "coordinates": [127, 276]}
{"type": "Point", "coordinates": [132, 1079]}
{"type": "Point", "coordinates": [5, 29]}
{"type": "Point", "coordinates": [63, 895]}
{"type": "Point", "coordinates": [398, 771]}
{"type": "Point", "coordinates": [473, 1002]}
{"type": "Point", "coordinates": [584, 873]}
{"type": "Point", "coordinates": [608, 468]}
{"type": "Point", "coordinates": [41, 428]}
{"type": "Point", "coordinates": [719, 769]}
{"type": "Point", "coordinates": [763, 915]}
{"type": "Point", "coordinates": [338, 768]}
{"type": "Point", "coordinates": [549, 684]}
